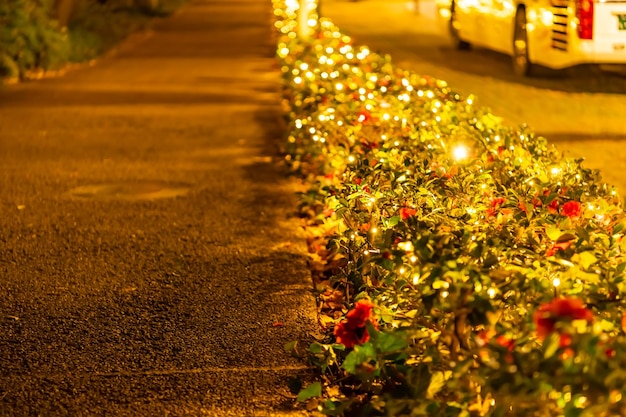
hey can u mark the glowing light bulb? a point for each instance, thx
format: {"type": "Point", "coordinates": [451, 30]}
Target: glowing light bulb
{"type": "Point", "coordinates": [556, 282]}
{"type": "Point", "coordinates": [460, 152]}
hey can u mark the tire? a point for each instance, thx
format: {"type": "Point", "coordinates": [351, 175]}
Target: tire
{"type": "Point", "coordinates": [521, 63]}
{"type": "Point", "coordinates": [454, 31]}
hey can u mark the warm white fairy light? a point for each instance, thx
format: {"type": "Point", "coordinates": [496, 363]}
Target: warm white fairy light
{"type": "Point", "coordinates": [491, 292]}
{"type": "Point", "coordinates": [406, 246]}
{"type": "Point", "coordinates": [556, 282]}
{"type": "Point", "coordinates": [416, 279]}
{"type": "Point", "coordinates": [460, 152]}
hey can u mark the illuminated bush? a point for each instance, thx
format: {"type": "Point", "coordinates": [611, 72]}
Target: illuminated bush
{"type": "Point", "coordinates": [493, 263]}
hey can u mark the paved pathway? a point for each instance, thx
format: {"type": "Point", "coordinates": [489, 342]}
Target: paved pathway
{"type": "Point", "coordinates": [149, 257]}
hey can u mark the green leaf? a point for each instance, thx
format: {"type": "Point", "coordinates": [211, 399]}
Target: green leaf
{"type": "Point", "coordinates": [315, 348]}
{"type": "Point", "coordinates": [587, 259]}
{"type": "Point", "coordinates": [437, 382]}
{"type": "Point", "coordinates": [393, 221]}
{"type": "Point", "coordinates": [313, 390]}
{"type": "Point", "coordinates": [388, 342]}
{"type": "Point", "coordinates": [551, 345]}
{"type": "Point", "coordinates": [361, 353]}
{"type": "Point", "coordinates": [553, 232]}
{"type": "Point", "coordinates": [565, 237]}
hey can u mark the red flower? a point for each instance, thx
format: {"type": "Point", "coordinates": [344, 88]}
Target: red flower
{"type": "Point", "coordinates": [352, 331]}
{"type": "Point", "coordinates": [553, 207]}
{"type": "Point", "coordinates": [364, 116]}
{"type": "Point", "coordinates": [406, 212]}
{"type": "Point", "coordinates": [559, 309]}
{"type": "Point", "coordinates": [505, 342]}
{"type": "Point", "coordinates": [362, 311]}
{"type": "Point", "coordinates": [558, 247]}
{"type": "Point", "coordinates": [571, 209]}
{"type": "Point", "coordinates": [522, 206]}
{"type": "Point", "coordinates": [495, 205]}
{"type": "Point", "coordinates": [350, 337]}
{"type": "Point", "coordinates": [357, 181]}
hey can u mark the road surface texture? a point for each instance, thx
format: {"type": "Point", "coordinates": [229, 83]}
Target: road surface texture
{"type": "Point", "coordinates": [581, 110]}
{"type": "Point", "coordinates": [150, 259]}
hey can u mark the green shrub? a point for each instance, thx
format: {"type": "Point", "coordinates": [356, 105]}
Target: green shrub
{"type": "Point", "coordinates": [29, 39]}
{"type": "Point", "coordinates": [481, 272]}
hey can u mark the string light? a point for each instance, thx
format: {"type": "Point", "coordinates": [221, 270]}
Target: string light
{"type": "Point", "coordinates": [460, 152]}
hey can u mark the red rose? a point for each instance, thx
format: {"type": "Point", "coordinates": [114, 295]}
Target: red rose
{"type": "Point", "coordinates": [350, 337]}
{"type": "Point", "coordinates": [362, 311]}
{"type": "Point", "coordinates": [352, 330]}
{"type": "Point", "coordinates": [406, 212]}
{"type": "Point", "coordinates": [571, 209]}
{"type": "Point", "coordinates": [559, 309]}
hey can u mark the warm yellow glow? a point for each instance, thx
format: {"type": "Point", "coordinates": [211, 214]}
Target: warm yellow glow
{"type": "Point", "coordinates": [406, 246]}
{"type": "Point", "coordinates": [460, 152]}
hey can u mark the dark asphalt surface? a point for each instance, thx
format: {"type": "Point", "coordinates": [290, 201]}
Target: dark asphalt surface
{"type": "Point", "coordinates": [150, 261]}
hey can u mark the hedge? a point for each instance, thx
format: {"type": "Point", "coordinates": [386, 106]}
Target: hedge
{"type": "Point", "coordinates": [33, 43]}
{"type": "Point", "coordinates": [463, 267]}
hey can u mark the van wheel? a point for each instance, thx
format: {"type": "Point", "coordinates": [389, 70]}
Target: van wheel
{"type": "Point", "coordinates": [454, 30]}
{"type": "Point", "coordinates": [521, 64]}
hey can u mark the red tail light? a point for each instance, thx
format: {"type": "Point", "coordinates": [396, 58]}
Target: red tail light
{"type": "Point", "coordinates": [584, 13]}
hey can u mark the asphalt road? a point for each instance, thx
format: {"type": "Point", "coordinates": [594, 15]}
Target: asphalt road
{"type": "Point", "coordinates": [150, 261]}
{"type": "Point", "coordinates": [581, 111]}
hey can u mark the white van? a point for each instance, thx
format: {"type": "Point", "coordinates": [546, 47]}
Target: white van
{"type": "Point", "coordinates": [552, 33]}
